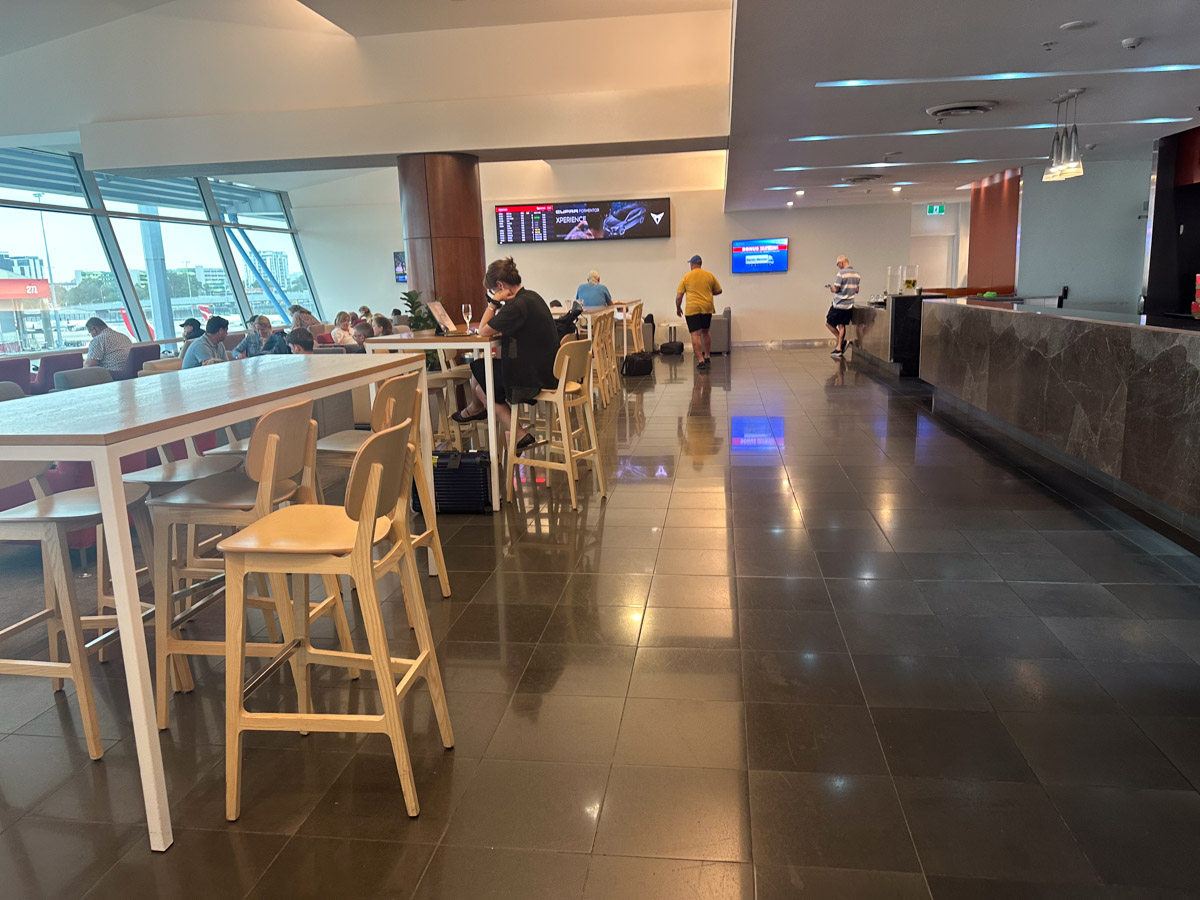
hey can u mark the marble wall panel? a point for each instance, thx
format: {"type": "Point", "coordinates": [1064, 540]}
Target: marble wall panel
{"type": "Point", "coordinates": [1123, 400]}
{"type": "Point", "coordinates": [873, 331]}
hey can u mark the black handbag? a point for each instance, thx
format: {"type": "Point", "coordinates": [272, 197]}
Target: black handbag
{"type": "Point", "coordinates": [671, 348]}
{"type": "Point", "coordinates": [461, 482]}
{"type": "Point", "coordinates": [637, 365]}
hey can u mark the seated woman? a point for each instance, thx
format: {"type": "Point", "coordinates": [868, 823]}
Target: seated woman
{"type": "Point", "coordinates": [364, 312]}
{"type": "Point", "coordinates": [301, 317]}
{"type": "Point", "coordinates": [341, 329]}
{"type": "Point", "coordinates": [381, 325]}
{"type": "Point", "coordinates": [530, 342]}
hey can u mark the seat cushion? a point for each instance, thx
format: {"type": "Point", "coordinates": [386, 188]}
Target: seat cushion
{"type": "Point", "coordinates": [228, 490]}
{"type": "Point", "coordinates": [304, 528]}
{"type": "Point", "coordinates": [573, 387]}
{"type": "Point", "coordinates": [343, 441]}
{"type": "Point", "coordinates": [74, 507]}
{"type": "Point", "coordinates": [184, 470]}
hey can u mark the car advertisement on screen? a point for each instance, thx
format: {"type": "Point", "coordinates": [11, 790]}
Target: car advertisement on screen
{"type": "Point", "coordinates": [761, 255]}
{"type": "Point", "coordinates": [587, 220]}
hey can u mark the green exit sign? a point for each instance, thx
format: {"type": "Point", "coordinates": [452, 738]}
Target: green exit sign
{"type": "Point", "coordinates": [936, 209]}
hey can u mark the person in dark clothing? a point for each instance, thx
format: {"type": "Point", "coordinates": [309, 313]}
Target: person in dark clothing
{"type": "Point", "coordinates": [565, 324]}
{"type": "Point", "coordinates": [192, 329]}
{"type": "Point", "coordinates": [529, 344]}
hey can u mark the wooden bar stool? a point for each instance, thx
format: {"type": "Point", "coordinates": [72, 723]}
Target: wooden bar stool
{"type": "Point", "coordinates": [47, 519]}
{"type": "Point", "coordinates": [635, 338]}
{"type": "Point", "coordinates": [331, 540]}
{"type": "Point", "coordinates": [573, 368]}
{"type": "Point", "coordinates": [602, 331]}
{"type": "Point", "coordinates": [397, 398]}
{"type": "Point", "coordinates": [280, 468]}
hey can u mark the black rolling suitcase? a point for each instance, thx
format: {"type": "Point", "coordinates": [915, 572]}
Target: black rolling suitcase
{"type": "Point", "coordinates": [461, 482]}
{"type": "Point", "coordinates": [637, 365]}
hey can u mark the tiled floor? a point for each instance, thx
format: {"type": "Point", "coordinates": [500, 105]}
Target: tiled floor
{"type": "Point", "coordinates": [816, 644]}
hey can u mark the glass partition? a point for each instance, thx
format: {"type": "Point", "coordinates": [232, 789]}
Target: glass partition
{"type": "Point", "coordinates": [177, 198]}
{"type": "Point", "coordinates": [269, 266]}
{"type": "Point", "coordinates": [31, 176]}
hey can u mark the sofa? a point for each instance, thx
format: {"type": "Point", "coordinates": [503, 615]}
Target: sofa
{"type": "Point", "coordinates": [720, 331]}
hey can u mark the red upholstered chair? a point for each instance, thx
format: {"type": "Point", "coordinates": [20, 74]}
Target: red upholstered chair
{"type": "Point", "coordinates": [323, 338]}
{"type": "Point", "coordinates": [49, 366]}
{"type": "Point", "coordinates": [17, 371]}
{"type": "Point", "coordinates": [138, 355]}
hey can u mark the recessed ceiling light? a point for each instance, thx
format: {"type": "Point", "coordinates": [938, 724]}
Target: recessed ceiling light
{"type": "Point", "coordinates": [1077, 25]}
{"type": "Point", "coordinates": [799, 193]}
{"type": "Point", "coordinates": [790, 203]}
{"type": "Point", "coordinates": [1009, 76]}
{"type": "Point", "coordinates": [924, 132]}
{"type": "Point", "coordinates": [896, 189]}
{"type": "Point", "coordinates": [893, 165]}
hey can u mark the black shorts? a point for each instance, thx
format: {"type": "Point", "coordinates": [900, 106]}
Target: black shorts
{"type": "Point", "coordinates": [699, 322]}
{"type": "Point", "coordinates": [836, 317]}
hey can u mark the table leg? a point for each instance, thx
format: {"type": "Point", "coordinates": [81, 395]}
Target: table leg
{"type": "Point", "coordinates": [493, 447]}
{"type": "Point", "coordinates": [107, 471]}
{"type": "Point", "coordinates": [425, 427]}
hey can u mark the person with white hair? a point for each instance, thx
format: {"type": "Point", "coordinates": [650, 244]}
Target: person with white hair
{"type": "Point", "coordinates": [844, 289]}
{"type": "Point", "coordinates": [592, 292]}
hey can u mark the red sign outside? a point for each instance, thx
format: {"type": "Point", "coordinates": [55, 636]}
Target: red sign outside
{"type": "Point", "coordinates": [24, 289]}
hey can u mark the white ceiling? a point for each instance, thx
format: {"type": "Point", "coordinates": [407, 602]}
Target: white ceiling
{"type": "Point", "coordinates": [364, 18]}
{"type": "Point", "coordinates": [27, 23]}
{"type": "Point", "coordinates": [782, 49]}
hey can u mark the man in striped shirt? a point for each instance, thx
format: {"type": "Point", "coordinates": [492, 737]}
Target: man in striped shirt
{"type": "Point", "coordinates": [844, 287]}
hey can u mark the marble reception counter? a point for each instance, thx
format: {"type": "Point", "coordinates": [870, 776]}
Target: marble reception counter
{"type": "Point", "coordinates": [888, 336]}
{"type": "Point", "coordinates": [1113, 399]}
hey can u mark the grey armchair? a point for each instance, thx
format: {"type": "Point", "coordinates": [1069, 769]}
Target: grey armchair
{"type": "Point", "coordinates": [720, 331]}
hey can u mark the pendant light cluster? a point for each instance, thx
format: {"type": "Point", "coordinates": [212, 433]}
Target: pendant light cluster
{"type": "Point", "coordinates": [1065, 159]}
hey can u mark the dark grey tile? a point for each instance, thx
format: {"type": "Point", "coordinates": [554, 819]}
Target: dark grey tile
{"type": "Point", "coordinates": [762, 562]}
{"type": "Point", "coordinates": [876, 596]}
{"type": "Point", "coordinates": [692, 733]}
{"type": "Point", "coordinates": [1115, 639]}
{"type": "Point", "coordinates": [512, 588]}
{"type": "Point", "coordinates": [790, 882]}
{"type": "Point", "coordinates": [693, 591]}
{"type": "Point", "coordinates": [919, 682]}
{"type": "Point", "coordinates": [578, 670]}
{"type": "Point", "coordinates": [847, 539]}
{"type": "Point", "coordinates": [356, 870]}
{"type": "Point", "coordinates": [489, 668]}
{"type": "Point", "coordinates": [927, 540]}
{"type": "Point", "coordinates": [687, 674]}
{"type": "Point", "coordinates": [1041, 685]}
{"type": "Point", "coordinates": [1024, 541]}
{"type": "Point", "coordinates": [938, 743]}
{"type": "Point", "coordinates": [800, 594]}
{"type": "Point", "coordinates": [676, 812]}
{"type": "Point", "coordinates": [1159, 601]}
{"type": "Point", "coordinates": [797, 738]}
{"type": "Point", "coordinates": [1151, 689]}
{"type": "Point", "coordinates": [1107, 750]}
{"type": "Point", "coordinates": [1140, 568]}
{"type": "Point", "coordinates": [896, 635]}
{"type": "Point", "coordinates": [948, 567]}
{"type": "Point", "coordinates": [772, 538]}
{"type": "Point", "coordinates": [944, 887]}
{"type": "Point", "coordinates": [630, 878]}
{"type": "Point", "coordinates": [771, 629]}
{"type": "Point", "coordinates": [1071, 600]}
{"type": "Point", "coordinates": [861, 564]}
{"type": "Point", "coordinates": [1178, 737]}
{"type": "Point", "coordinates": [618, 625]}
{"type": "Point", "coordinates": [830, 821]}
{"type": "Point", "coordinates": [715, 629]}
{"type": "Point", "coordinates": [500, 872]}
{"type": "Point", "coordinates": [610, 589]}
{"type": "Point", "coordinates": [822, 678]}
{"type": "Point", "coordinates": [991, 830]}
{"type": "Point", "coordinates": [60, 859]}
{"type": "Point", "coordinates": [1138, 837]}
{"type": "Point", "coordinates": [530, 805]}
{"type": "Point", "coordinates": [556, 728]}
{"type": "Point", "coordinates": [1010, 637]}
{"type": "Point", "coordinates": [972, 598]}
{"type": "Point", "coordinates": [522, 623]}
{"type": "Point", "coordinates": [1019, 567]}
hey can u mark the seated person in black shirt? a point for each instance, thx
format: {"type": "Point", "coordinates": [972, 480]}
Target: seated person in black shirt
{"type": "Point", "coordinates": [530, 342]}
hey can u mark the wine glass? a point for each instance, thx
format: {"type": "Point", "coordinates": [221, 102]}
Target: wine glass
{"type": "Point", "coordinates": [467, 311]}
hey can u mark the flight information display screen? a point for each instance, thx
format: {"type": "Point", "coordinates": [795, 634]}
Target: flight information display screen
{"type": "Point", "coordinates": [586, 220]}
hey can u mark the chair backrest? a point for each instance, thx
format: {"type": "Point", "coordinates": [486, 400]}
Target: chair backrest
{"type": "Point", "coordinates": [77, 378]}
{"type": "Point", "coordinates": [323, 338]}
{"type": "Point", "coordinates": [573, 362]}
{"type": "Point", "coordinates": [139, 356]}
{"type": "Point", "coordinates": [336, 348]}
{"type": "Point", "coordinates": [394, 400]}
{"type": "Point", "coordinates": [16, 371]}
{"type": "Point", "coordinates": [10, 391]}
{"type": "Point", "coordinates": [388, 448]}
{"type": "Point", "coordinates": [157, 366]}
{"type": "Point", "coordinates": [316, 328]}
{"type": "Point", "coordinates": [290, 424]}
{"type": "Point", "coordinates": [12, 473]}
{"type": "Point", "coordinates": [52, 365]}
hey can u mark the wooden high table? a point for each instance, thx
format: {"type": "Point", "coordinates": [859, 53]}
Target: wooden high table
{"type": "Point", "coordinates": [102, 423]}
{"type": "Point", "coordinates": [459, 342]}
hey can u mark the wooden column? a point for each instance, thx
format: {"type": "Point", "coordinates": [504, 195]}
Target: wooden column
{"type": "Point", "coordinates": [992, 251]}
{"type": "Point", "coordinates": [443, 229]}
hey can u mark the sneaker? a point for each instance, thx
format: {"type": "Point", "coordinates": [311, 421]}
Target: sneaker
{"type": "Point", "coordinates": [576, 306]}
{"type": "Point", "coordinates": [838, 353]}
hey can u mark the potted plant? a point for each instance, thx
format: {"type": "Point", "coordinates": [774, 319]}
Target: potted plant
{"type": "Point", "coordinates": [420, 319]}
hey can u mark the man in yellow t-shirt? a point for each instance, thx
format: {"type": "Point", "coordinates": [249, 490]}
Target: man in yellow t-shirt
{"type": "Point", "coordinates": [699, 287]}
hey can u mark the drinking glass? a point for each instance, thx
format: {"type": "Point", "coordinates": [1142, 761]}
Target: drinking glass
{"type": "Point", "coordinates": [466, 311]}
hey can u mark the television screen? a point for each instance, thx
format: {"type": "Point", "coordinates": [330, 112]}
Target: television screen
{"type": "Point", "coordinates": [588, 220]}
{"type": "Point", "coordinates": [401, 268]}
{"type": "Point", "coordinates": [762, 255]}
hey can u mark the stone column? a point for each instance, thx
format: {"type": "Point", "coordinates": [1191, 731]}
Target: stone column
{"type": "Point", "coordinates": [443, 229]}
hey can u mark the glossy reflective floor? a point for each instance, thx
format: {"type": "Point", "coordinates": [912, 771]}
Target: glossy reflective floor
{"type": "Point", "coordinates": [816, 644]}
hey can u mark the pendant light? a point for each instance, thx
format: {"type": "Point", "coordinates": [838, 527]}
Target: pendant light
{"type": "Point", "coordinates": [1053, 170]}
{"type": "Point", "coordinates": [1072, 163]}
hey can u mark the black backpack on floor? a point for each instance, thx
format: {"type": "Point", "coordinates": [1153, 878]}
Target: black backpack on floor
{"type": "Point", "coordinates": [637, 365]}
{"type": "Point", "coordinates": [671, 348]}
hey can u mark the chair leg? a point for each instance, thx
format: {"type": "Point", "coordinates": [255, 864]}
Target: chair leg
{"type": "Point", "coordinates": [285, 601]}
{"type": "Point", "coordinates": [64, 592]}
{"type": "Point", "coordinates": [368, 598]}
{"type": "Point", "coordinates": [511, 463]}
{"type": "Point", "coordinates": [589, 418]}
{"type": "Point", "coordinates": [269, 622]}
{"type": "Point", "coordinates": [333, 588]}
{"type": "Point", "coordinates": [235, 674]}
{"type": "Point", "coordinates": [435, 539]}
{"type": "Point", "coordinates": [53, 626]}
{"type": "Point", "coordinates": [164, 612]}
{"type": "Point", "coordinates": [418, 618]}
{"type": "Point", "coordinates": [568, 455]}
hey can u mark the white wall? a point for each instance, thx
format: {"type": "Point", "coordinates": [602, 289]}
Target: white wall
{"type": "Point", "coordinates": [350, 227]}
{"type": "Point", "coordinates": [1085, 233]}
{"type": "Point", "coordinates": [936, 244]}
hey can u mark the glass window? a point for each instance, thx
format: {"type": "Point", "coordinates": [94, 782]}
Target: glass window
{"type": "Point", "coordinates": [177, 272]}
{"type": "Point", "coordinates": [54, 276]}
{"type": "Point", "coordinates": [33, 176]}
{"type": "Point", "coordinates": [269, 266]}
{"type": "Point", "coordinates": [177, 197]}
{"type": "Point", "coordinates": [249, 205]}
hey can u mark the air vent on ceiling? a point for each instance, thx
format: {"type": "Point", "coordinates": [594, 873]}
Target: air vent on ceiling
{"type": "Point", "coordinates": [961, 108]}
{"type": "Point", "coordinates": [862, 179]}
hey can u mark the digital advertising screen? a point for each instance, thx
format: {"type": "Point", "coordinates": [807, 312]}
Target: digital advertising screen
{"type": "Point", "coordinates": [586, 220]}
{"type": "Point", "coordinates": [401, 267]}
{"type": "Point", "coordinates": [761, 255]}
